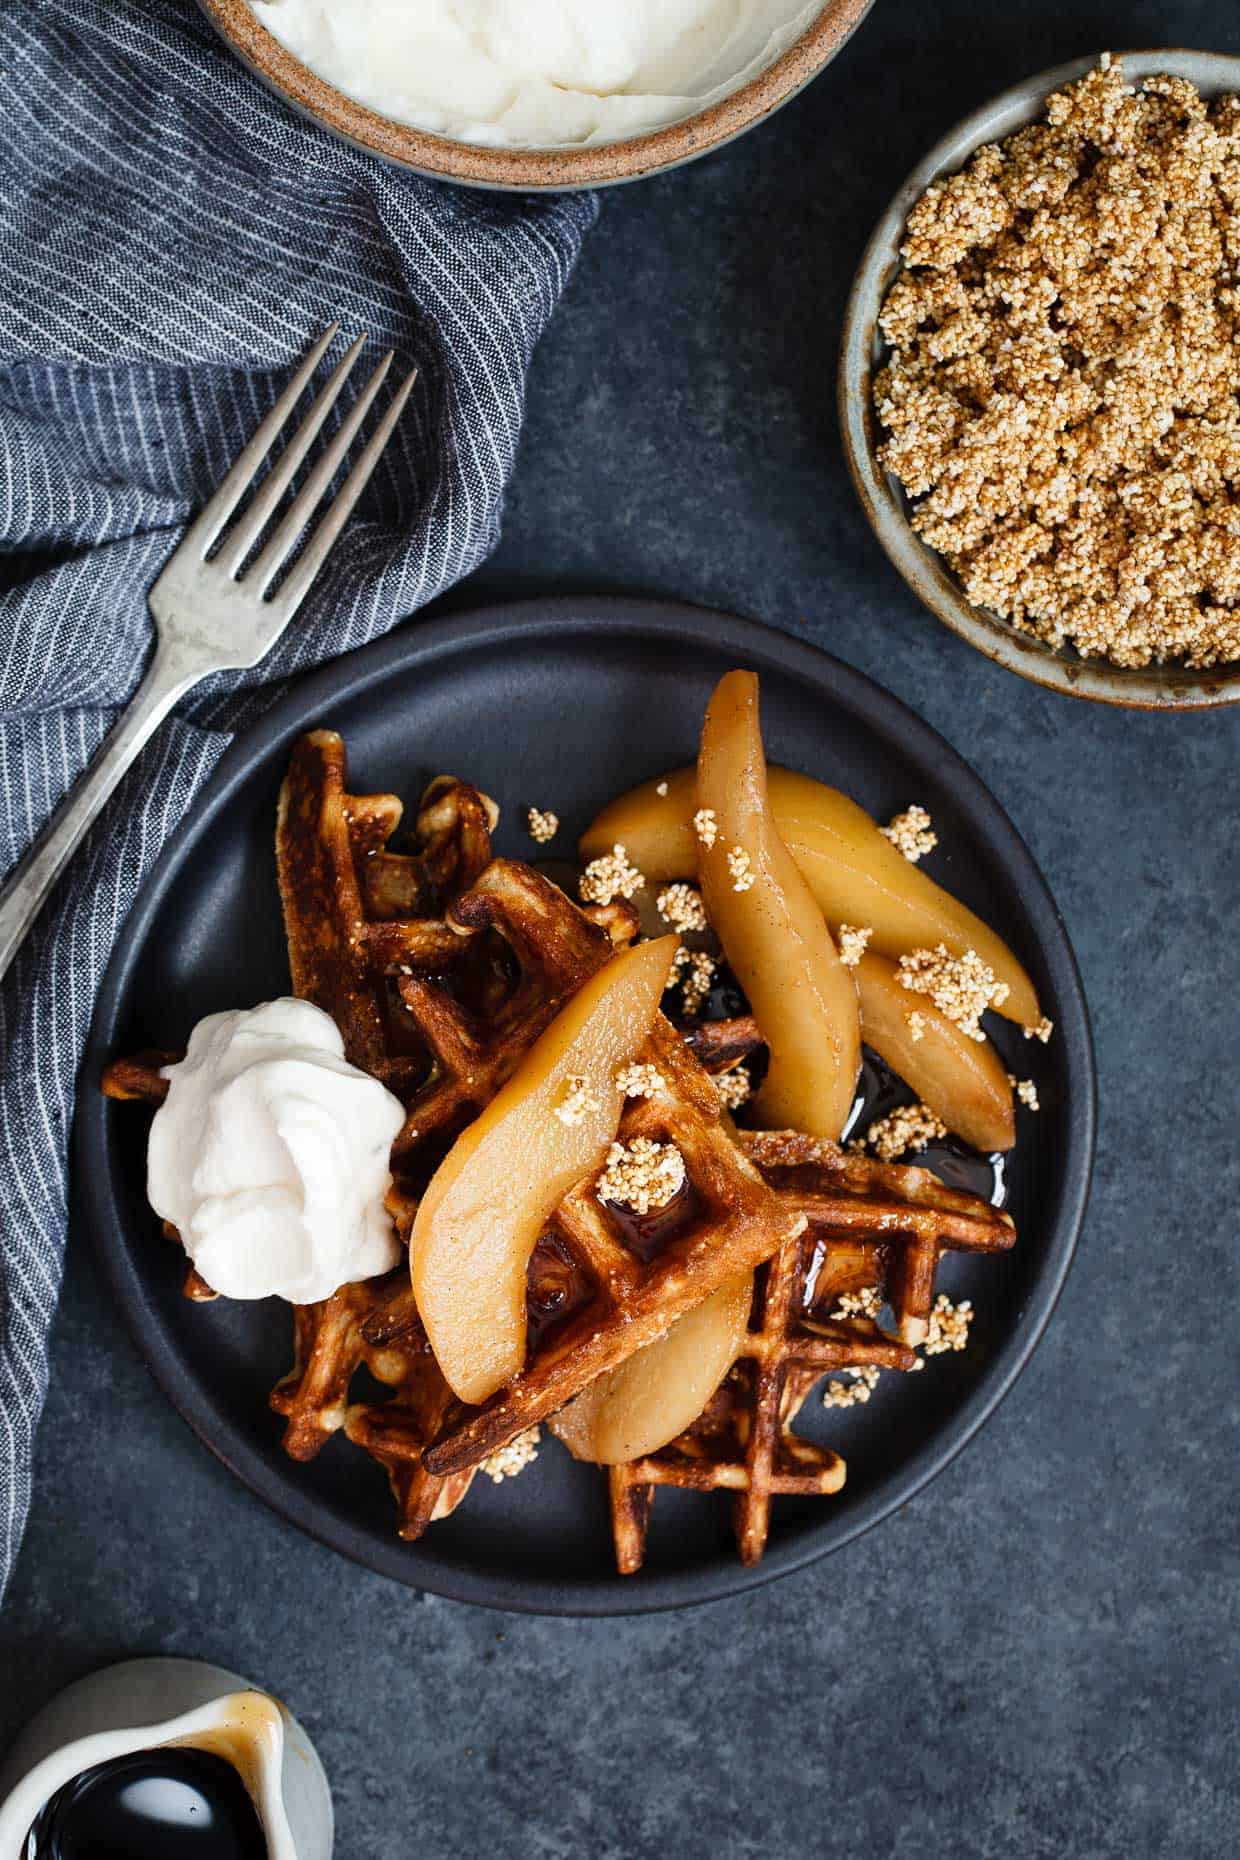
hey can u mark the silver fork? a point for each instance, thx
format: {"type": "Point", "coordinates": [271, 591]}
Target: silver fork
{"type": "Point", "coordinates": [210, 618]}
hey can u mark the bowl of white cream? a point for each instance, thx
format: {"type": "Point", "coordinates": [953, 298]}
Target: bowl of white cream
{"type": "Point", "coordinates": [537, 94]}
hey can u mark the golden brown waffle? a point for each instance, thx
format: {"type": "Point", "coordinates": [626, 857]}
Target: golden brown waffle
{"type": "Point", "coordinates": [875, 1223]}
{"type": "Point", "coordinates": [359, 914]}
{"type": "Point", "coordinates": [742, 1442]}
{"type": "Point", "coordinates": [357, 911]}
{"type": "Point", "coordinates": [140, 1080]}
{"type": "Point", "coordinates": [373, 1324]}
{"type": "Point", "coordinates": [631, 1277]}
{"type": "Point", "coordinates": [867, 1224]}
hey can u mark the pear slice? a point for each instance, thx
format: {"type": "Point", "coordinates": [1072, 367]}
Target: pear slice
{"type": "Point", "coordinates": [655, 828]}
{"type": "Point", "coordinates": [490, 1198]}
{"type": "Point", "coordinates": [964, 1081]}
{"type": "Point", "coordinates": [636, 1409]}
{"type": "Point", "coordinates": [855, 874]}
{"type": "Point", "coordinates": [772, 931]}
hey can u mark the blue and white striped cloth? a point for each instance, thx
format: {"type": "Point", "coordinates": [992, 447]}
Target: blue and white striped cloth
{"type": "Point", "coordinates": [170, 239]}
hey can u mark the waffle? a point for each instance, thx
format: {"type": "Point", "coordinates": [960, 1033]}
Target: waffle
{"type": "Point", "coordinates": [140, 1080]}
{"type": "Point", "coordinates": [624, 1279]}
{"type": "Point", "coordinates": [898, 1222]}
{"type": "Point", "coordinates": [442, 1014]}
{"type": "Point", "coordinates": [874, 1223]}
{"type": "Point", "coordinates": [357, 911]}
{"type": "Point", "coordinates": [867, 1224]}
{"type": "Point", "coordinates": [358, 914]}
{"type": "Point", "coordinates": [372, 1324]}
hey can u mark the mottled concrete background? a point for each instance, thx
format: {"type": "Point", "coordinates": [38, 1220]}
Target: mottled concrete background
{"type": "Point", "coordinates": [1038, 1656]}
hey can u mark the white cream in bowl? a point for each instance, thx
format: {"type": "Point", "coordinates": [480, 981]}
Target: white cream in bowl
{"type": "Point", "coordinates": [537, 73]}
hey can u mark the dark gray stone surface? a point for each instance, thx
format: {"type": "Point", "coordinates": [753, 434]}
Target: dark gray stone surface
{"type": "Point", "coordinates": [1038, 1656]}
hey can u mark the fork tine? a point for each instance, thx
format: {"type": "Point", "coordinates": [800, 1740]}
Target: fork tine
{"type": "Point", "coordinates": [239, 541]}
{"type": "Point", "coordinates": [312, 558]}
{"type": "Point", "coordinates": [215, 513]}
{"type": "Point", "coordinates": [280, 545]}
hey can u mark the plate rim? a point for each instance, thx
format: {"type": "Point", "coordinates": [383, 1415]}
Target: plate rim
{"type": "Point", "coordinates": [95, 1207]}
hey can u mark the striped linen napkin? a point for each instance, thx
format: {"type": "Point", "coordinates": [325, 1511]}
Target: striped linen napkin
{"type": "Point", "coordinates": [172, 239]}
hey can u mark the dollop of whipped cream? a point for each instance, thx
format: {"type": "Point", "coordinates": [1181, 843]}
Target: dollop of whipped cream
{"type": "Point", "coordinates": [537, 73]}
{"type": "Point", "coordinates": [270, 1156]}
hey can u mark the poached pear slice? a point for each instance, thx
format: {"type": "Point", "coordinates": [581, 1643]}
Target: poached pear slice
{"type": "Point", "coordinates": [661, 1390]}
{"type": "Point", "coordinates": [492, 1195]}
{"type": "Point", "coordinates": [772, 930]}
{"type": "Point", "coordinates": [962, 1080]}
{"type": "Point", "coordinates": [856, 875]}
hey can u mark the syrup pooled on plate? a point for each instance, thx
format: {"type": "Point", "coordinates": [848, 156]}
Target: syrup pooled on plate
{"type": "Point", "coordinates": [171, 1804]}
{"type": "Point", "coordinates": [879, 1091]}
{"type": "Point", "coordinates": [957, 1166]}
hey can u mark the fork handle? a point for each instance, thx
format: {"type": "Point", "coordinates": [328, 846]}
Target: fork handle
{"type": "Point", "coordinates": [25, 891]}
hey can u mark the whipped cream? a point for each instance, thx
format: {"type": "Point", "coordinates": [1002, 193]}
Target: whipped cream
{"type": "Point", "coordinates": [270, 1156]}
{"type": "Point", "coordinates": [537, 73]}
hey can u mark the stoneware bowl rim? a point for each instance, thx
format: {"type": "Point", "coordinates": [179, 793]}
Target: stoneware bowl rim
{"type": "Point", "coordinates": [552, 170]}
{"type": "Point", "coordinates": [1167, 687]}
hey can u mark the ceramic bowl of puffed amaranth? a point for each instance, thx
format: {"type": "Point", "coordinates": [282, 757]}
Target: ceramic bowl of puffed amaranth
{"type": "Point", "coordinates": [579, 164]}
{"type": "Point", "coordinates": [1170, 686]}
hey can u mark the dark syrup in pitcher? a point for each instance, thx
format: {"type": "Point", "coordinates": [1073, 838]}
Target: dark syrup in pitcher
{"type": "Point", "coordinates": [173, 1804]}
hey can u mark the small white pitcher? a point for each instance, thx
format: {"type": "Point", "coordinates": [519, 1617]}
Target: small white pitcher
{"type": "Point", "coordinates": [150, 1704]}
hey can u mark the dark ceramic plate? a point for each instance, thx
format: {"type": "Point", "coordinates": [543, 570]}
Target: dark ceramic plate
{"type": "Point", "coordinates": [563, 704]}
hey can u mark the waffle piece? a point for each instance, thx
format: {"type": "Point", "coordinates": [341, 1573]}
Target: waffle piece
{"type": "Point", "coordinates": [356, 909]}
{"type": "Point", "coordinates": [373, 1324]}
{"type": "Point", "coordinates": [874, 1223]}
{"type": "Point", "coordinates": [634, 1275]}
{"type": "Point", "coordinates": [358, 913]}
{"type": "Point", "coordinates": [546, 947]}
{"type": "Point", "coordinates": [140, 1080]}
{"type": "Point", "coordinates": [742, 1442]}
{"type": "Point", "coordinates": [721, 1044]}
{"type": "Point", "coordinates": [867, 1224]}
{"type": "Point", "coordinates": [901, 1220]}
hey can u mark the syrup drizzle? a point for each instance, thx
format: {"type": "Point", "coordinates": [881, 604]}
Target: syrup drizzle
{"type": "Point", "coordinates": [557, 1286]}
{"type": "Point", "coordinates": [647, 1235]}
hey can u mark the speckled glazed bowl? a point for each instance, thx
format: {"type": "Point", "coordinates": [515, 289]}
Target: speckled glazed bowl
{"type": "Point", "coordinates": [525, 170]}
{"type": "Point", "coordinates": [1165, 687]}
